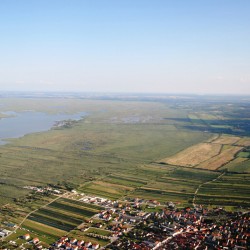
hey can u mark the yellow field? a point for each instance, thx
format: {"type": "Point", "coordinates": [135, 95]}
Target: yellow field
{"type": "Point", "coordinates": [227, 140]}
{"type": "Point", "coordinates": [213, 154]}
{"type": "Point", "coordinates": [213, 138]}
{"type": "Point", "coordinates": [224, 157]}
{"type": "Point", "coordinates": [244, 142]}
{"type": "Point", "coordinates": [194, 155]}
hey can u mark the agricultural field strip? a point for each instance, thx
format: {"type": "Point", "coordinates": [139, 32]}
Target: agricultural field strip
{"type": "Point", "coordinates": [103, 194]}
{"type": "Point", "coordinates": [181, 181]}
{"type": "Point", "coordinates": [73, 209]}
{"type": "Point", "coordinates": [26, 217]}
{"type": "Point", "coordinates": [162, 197]}
{"type": "Point", "coordinates": [217, 158]}
{"type": "Point", "coordinates": [226, 188]}
{"type": "Point", "coordinates": [83, 204]}
{"type": "Point", "coordinates": [225, 196]}
{"type": "Point", "coordinates": [66, 213]}
{"type": "Point", "coordinates": [39, 216]}
{"type": "Point", "coordinates": [213, 157]}
{"type": "Point", "coordinates": [58, 216]}
{"type": "Point", "coordinates": [229, 197]}
{"type": "Point", "coordinates": [198, 188]}
{"type": "Point", "coordinates": [51, 222]}
{"type": "Point", "coordinates": [225, 157]}
{"type": "Point", "coordinates": [80, 205]}
{"type": "Point", "coordinates": [220, 197]}
{"type": "Point", "coordinates": [197, 174]}
{"type": "Point", "coordinates": [43, 229]}
{"type": "Point", "coordinates": [107, 187]}
{"type": "Point", "coordinates": [196, 151]}
{"type": "Point", "coordinates": [227, 140]}
{"type": "Point", "coordinates": [118, 179]}
{"type": "Point", "coordinates": [127, 176]}
{"type": "Point", "coordinates": [232, 192]}
{"type": "Point", "coordinates": [123, 182]}
{"type": "Point", "coordinates": [163, 191]}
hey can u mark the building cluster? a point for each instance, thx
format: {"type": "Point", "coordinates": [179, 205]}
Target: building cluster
{"type": "Point", "coordinates": [43, 189]}
{"type": "Point", "coordinates": [4, 232]}
{"type": "Point", "coordinates": [189, 229]}
{"type": "Point", "coordinates": [128, 226]}
{"type": "Point", "coordinates": [66, 243]}
{"type": "Point", "coordinates": [103, 202]}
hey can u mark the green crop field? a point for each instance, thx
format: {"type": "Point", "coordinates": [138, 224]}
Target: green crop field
{"type": "Point", "coordinates": [72, 208]}
{"type": "Point", "coordinates": [49, 221]}
{"type": "Point", "coordinates": [59, 216]}
{"type": "Point", "coordinates": [43, 229]}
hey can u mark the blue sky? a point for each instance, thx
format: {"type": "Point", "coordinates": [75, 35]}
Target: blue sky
{"type": "Point", "coordinates": [162, 46]}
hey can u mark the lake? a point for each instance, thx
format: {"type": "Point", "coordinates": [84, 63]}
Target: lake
{"type": "Point", "coordinates": [22, 123]}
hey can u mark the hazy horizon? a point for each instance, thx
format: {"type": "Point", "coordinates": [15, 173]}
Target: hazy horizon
{"type": "Point", "coordinates": [179, 47]}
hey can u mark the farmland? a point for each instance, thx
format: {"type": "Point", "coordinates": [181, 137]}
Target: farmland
{"type": "Point", "coordinates": [194, 155]}
{"type": "Point", "coordinates": [210, 155]}
{"type": "Point", "coordinates": [110, 153]}
{"type": "Point", "coordinates": [63, 214]}
{"type": "Point", "coordinates": [124, 149]}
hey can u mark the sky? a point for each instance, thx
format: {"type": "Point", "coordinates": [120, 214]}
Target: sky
{"type": "Point", "coordinates": [145, 46]}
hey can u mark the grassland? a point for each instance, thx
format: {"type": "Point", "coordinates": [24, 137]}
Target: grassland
{"type": "Point", "coordinates": [120, 136]}
{"type": "Point", "coordinates": [115, 152]}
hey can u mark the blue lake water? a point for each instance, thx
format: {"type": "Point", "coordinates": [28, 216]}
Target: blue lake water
{"type": "Point", "coordinates": [22, 123]}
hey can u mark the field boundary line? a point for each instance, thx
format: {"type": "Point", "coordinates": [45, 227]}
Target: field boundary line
{"type": "Point", "coordinates": [198, 188]}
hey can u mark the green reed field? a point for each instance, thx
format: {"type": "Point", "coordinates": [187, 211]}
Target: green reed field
{"type": "Point", "coordinates": [115, 150]}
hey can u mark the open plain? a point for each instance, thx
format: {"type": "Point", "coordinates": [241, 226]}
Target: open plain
{"type": "Point", "coordinates": [122, 149]}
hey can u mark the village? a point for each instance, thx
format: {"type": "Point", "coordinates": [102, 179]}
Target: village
{"type": "Point", "coordinates": [134, 223]}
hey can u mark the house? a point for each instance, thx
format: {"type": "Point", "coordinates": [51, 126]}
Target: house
{"type": "Point", "coordinates": [59, 244]}
{"type": "Point", "coordinates": [95, 246]}
{"type": "Point", "coordinates": [26, 236]}
{"type": "Point", "coordinates": [73, 241]}
{"type": "Point", "coordinates": [35, 240]}
{"type": "Point", "coordinates": [87, 244]}
{"type": "Point", "coordinates": [6, 232]}
{"type": "Point", "coordinates": [9, 224]}
{"type": "Point", "coordinates": [80, 242]}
